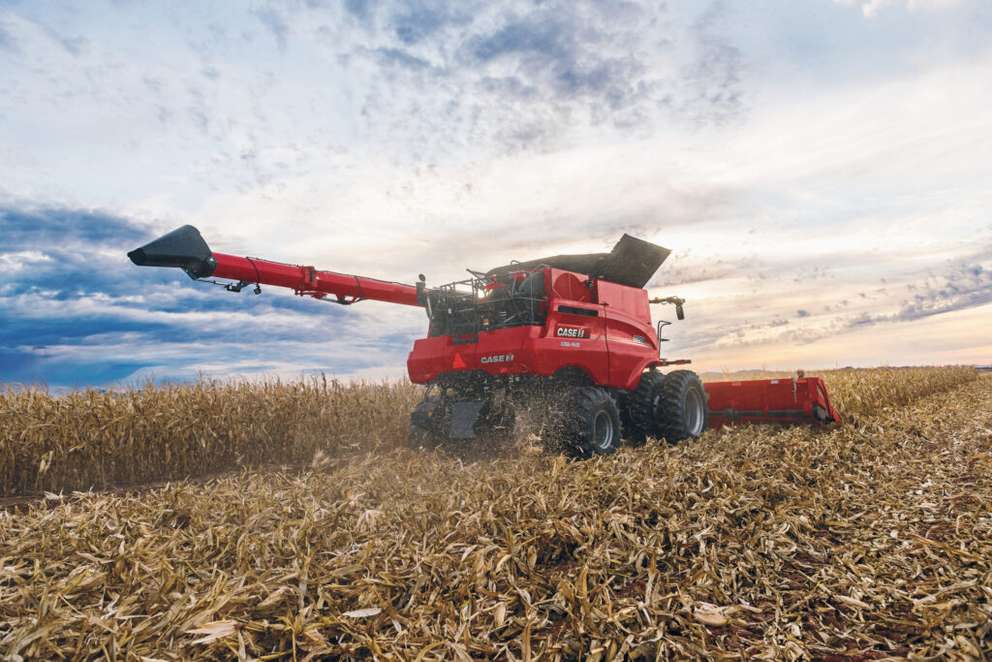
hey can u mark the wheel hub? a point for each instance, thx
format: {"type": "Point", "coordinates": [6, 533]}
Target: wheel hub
{"type": "Point", "coordinates": [695, 415]}
{"type": "Point", "coordinates": [603, 431]}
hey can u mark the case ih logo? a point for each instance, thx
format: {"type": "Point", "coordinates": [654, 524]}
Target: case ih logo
{"type": "Point", "coordinates": [572, 332]}
{"type": "Point", "coordinates": [497, 358]}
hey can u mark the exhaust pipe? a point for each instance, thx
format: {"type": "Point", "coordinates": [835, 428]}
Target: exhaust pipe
{"type": "Point", "coordinates": [183, 248]}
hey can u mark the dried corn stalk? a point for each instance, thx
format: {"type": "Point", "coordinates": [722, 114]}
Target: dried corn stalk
{"type": "Point", "coordinates": [868, 541]}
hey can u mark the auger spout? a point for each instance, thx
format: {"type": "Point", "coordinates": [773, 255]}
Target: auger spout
{"type": "Point", "coordinates": [183, 248]}
{"type": "Point", "coordinates": [186, 249]}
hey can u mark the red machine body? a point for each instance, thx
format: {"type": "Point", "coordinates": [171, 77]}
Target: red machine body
{"type": "Point", "coordinates": [600, 329]}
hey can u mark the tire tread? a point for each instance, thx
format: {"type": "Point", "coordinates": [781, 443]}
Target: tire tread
{"type": "Point", "coordinates": [584, 402]}
{"type": "Point", "coordinates": [640, 406]}
{"type": "Point", "coordinates": [671, 414]}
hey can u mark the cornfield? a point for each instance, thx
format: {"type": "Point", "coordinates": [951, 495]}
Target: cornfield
{"type": "Point", "coordinates": [93, 439]}
{"type": "Point", "coordinates": [871, 540]}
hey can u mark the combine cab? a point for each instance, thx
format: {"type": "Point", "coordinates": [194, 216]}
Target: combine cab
{"type": "Point", "coordinates": [569, 337]}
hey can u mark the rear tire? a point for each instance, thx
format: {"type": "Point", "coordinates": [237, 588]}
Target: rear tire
{"type": "Point", "coordinates": [682, 412]}
{"type": "Point", "coordinates": [642, 408]}
{"type": "Point", "coordinates": [591, 423]}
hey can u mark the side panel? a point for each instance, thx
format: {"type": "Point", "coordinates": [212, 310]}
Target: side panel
{"type": "Point", "coordinates": [496, 352]}
{"type": "Point", "coordinates": [629, 301]}
{"type": "Point", "coordinates": [630, 339]}
{"type": "Point", "coordinates": [610, 339]}
{"type": "Point", "coordinates": [516, 351]}
{"type": "Point", "coordinates": [575, 337]}
{"type": "Point", "coordinates": [630, 348]}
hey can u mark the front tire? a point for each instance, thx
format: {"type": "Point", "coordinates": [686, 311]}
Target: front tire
{"type": "Point", "coordinates": [591, 424]}
{"type": "Point", "coordinates": [682, 411]}
{"type": "Point", "coordinates": [423, 424]}
{"type": "Point", "coordinates": [420, 439]}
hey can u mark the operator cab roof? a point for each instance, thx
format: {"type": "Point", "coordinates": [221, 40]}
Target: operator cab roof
{"type": "Point", "coordinates": [632, 262]}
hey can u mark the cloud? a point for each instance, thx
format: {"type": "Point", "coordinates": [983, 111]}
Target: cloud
{"type": "Point", "coordinates": [275, 24]}
{"type": "Point", "coordinates": [964, 283]}
{"type": "Point", "coordinates": [16, 261]}
{"type": "Point", "coordinates": [561, 56]}
{"type": "Point", "coordinates": [415, 21]}
{"type": "Point", "coordinates": [792, 159]}
{"type": "Point", "coordinates": [80, 313]}
{"type": "Point", "coordinates": [7, 41]}
{"type": "Point", "coordinates": [871, 8]}
{"type": "Point", "coordinates": [959, 285]}
{"type": "Point", "coordinates": [395, 56]}
{"type": "Point", "coordinates": [713, 81]}
{"type": "Point", "coordinates": [58, 227]}
{"type": "Point", "coordinates": [362, 9]}
{"type": "Point", "coordinates": [517, 76]}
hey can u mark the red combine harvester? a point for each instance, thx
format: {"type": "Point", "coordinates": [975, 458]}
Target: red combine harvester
{"type": "Point", "coordinates": [570, 332]}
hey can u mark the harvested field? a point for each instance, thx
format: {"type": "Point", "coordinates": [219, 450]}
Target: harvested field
{"type": "Point", "coordinates": [92, 439]}
{"type": "Point", "coordinates": [872, 540]}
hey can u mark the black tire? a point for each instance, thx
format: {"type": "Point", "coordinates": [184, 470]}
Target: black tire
{"type": "Point", "coordinates": [641, 408]}
{"type": "Point", "coordinates": [591, 423]}
{"type": "Point", "coordinates": [420, 439]}
{"type": "Point", "coordinates": [422, 425]}
{"type": "Point", "coordinates": [499, 423]}
{"type": "Point", "coordinates": [682, 412]}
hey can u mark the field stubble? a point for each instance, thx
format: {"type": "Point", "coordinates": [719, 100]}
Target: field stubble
{"type": "Point", "coordinates": [868, 541]}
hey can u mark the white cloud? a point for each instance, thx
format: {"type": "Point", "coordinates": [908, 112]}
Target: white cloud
{"type": "Point", "coordinates": [871, 8]}
{"type": "Point", "coordinates": [13, 262]}
{"type": "Point", "coordinates": [792, 159]}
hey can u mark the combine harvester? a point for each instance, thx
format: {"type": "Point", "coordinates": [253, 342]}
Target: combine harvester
{"type": "Point", "coordinates": [574, 331]}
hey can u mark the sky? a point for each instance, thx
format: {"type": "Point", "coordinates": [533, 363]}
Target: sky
{"type": "Point", "coordinates": [819, 169]}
